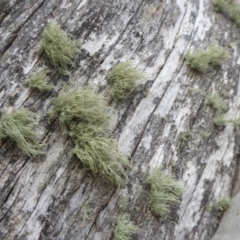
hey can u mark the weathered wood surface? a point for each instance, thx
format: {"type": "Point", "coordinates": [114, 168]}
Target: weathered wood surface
{"type": "Point", "coordinates": [42, 198]}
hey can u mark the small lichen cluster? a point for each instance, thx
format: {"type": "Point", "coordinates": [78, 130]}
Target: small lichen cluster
{"type": "Point", "coordinates": [83, 116]}
{"type": "Point", "coordinates": [165, 192]}
{"type": "Point", "coordinates": [122, 80]}
{"type": "Point", "coordinates": [222, 205]}
{"type": "Point", "coordinates": [220, 106]}
{"type": "Point", "coordinates": [19, 127]}
{"type": "Point", "coordinates": [40, 81]}
{"type": "Point", "coordinates": [80, 107]}
{"type": "Point", "coordinates": [217, 103]}
{"type": "Point", "coordinates": [222, 120]}
{"type": "Point", "coordinates": [229, 8]}
{"type": "Point", "coordinates": [60, 47]}
{"type": "Point", "coordinates": [87, 211]}
{"type": "Point", "coordinates": [204, 60]}
{"type": "Point", "coordinates": [124, 228]}
{"type": "Point", "coordinates": [184, 137]}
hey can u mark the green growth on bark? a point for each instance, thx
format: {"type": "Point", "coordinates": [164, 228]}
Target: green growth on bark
{"type": "Point", "coordinates": [184, 137]}
{"type": "Point", "coordinates": [222, 120]}
{"type": "Point", "coordinates": [217, 103]}
{"type": "Point", "coordinates": [124, 228]}
{"type": "Point", "coordinates": [230, 8]}
{"type": "Point", "coordinates": [82, 106]}
{"type": "Point", "coordinates": [60, 47]}
{"type": "Point", "coordinates": [87, 211]}
{"type": "Point", "coordinates": [222, 205]}
{"type": "Point", "coordinates": [83, 116]}
{"type": "Point", "coordinates": [165, 192]}
{"type": "Point", "coordinates": [40, 81]}
{"type": "Point", "coordinates": [19, 127]}
{"type": "Point", "coordinates": [100, 154]}
{"type": "Point", "coordinates": [122, 80]}
{"type": "Point", "coordinates": [123, 204]}
{"type": "Point", "coordinates": [204, 60]}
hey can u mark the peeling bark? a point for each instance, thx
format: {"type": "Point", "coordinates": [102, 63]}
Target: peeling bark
{"type": "Point", "coordinates": [42, 198]}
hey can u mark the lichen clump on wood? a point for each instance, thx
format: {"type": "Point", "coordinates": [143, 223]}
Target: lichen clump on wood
{"type": "Point", "coordinates": [87, 212]}
{"type": "Point", "coordinates": [204, 60]}
{"type": "Point", "coordinates": [222, 205]}
{"type": "Point", "coordinates": [60, 47]}
{"type": "Point", "coordinates": [82, 106]}
{"type": "Point", "coordinates": [83, 116]}
{"type": "Point", "coordinates": [99, 153]}
{"type": "Point", "coordinates": [184, 137]}
{"type": "Point", "coordinates": [122, 80]}
{"type": "Point", "coordinates": [19, 127]}
{"type": "Point", "coordinates": [230, 8]}
{"type": "Point", "coordinates": [222, 120]}
{"type": "Point", "coordinates": [124, 228]}
{"type": "Point", "coordinates": [40, 81]}
{"type": "Point", "coordinates": [165, 192]}
{"type": "Point", "coordinates": [217, 103]}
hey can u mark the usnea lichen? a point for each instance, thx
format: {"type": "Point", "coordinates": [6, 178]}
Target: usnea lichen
{"type": "Point", "coordinates": [83, 116]}
{"type": "Point", "coordinates": [60, 47]}
{"type": "Point", "coordinates": [122, 80]}
{"type": "Point", "coordinates": [100, 154]}
{"type": "Point", "coordinates": [19, 127]}
{"type": "Point", "coordinates": [40, 81]}
{"type": "Point", "coordinates": [165, 192]}
{"type": "Point", "coordinates": [82, 106]}
{"type": "Point", "coordinates": [229, 8]}
{"type": "Point", "coordinates": [222, 205]}
{"type": "Point", "coordinates": [204, 60]}
{"type": "Point", "coordinates": [124, 228]}
{"type": "Point", "coordinates": [217, 103]}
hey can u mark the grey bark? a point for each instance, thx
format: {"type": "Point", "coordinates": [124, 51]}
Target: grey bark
{"type": "Point", "coordinates": [42, 197]}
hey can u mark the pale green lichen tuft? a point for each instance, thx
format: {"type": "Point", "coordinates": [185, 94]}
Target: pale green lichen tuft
{"type": "Point", "coordinates": [82, 106]}
{"type": "Point", "coordinates": [60, 47]}
{"type": "Point", "coordinates": [217, 103]}
{"type": "Point", "coordinates": [230, 8]}
{"type": "Point", "coordinates": [124, 228]}
{"type": "Point", "coordinates": [222, 120]}
{"type": "Point", "coordinates": [122, 80]}
{"type": "Point", "coordinates": [19, 127]}
{"type": "Point", "coordinates": [222, 205]}
{"type": "Point", "coordinates": [165, 192]}
{"type": "Point", "coordinates": [84, 116]}
{"type": "Point", "coordinates": [100, 154]}
{"type": "Point", "coordinates": [204, 60]}
{"type": "Point", "coordinates": [40, 81]}
{"type": "Point", "coordinates": [87, 211]}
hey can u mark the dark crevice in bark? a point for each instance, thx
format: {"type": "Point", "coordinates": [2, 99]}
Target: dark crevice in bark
{"type": "Point", "coordinates": [15, 33]}
{"type": "Point", "coordinates": [101, 210]}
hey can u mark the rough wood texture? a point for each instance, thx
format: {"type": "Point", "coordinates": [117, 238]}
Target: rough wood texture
{"type": "Point", "coordinates": [42, 198]}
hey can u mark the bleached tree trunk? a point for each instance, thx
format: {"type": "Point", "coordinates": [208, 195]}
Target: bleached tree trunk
{"type": "Point", "coordinates": [42, 197]}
